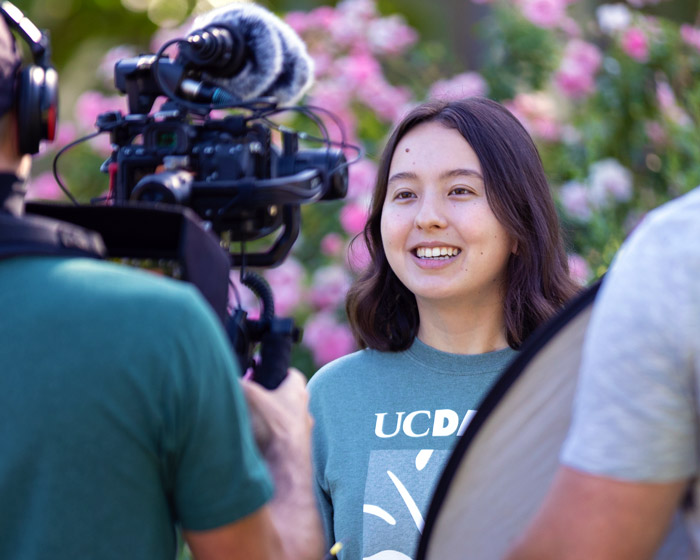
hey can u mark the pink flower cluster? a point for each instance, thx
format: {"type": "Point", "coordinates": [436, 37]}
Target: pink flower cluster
{"type": "Point", "coordinates": [354, 25]}
{"type": "Point", "coordinates": [538, 114]}
{"type": "Point", "coordinates": [579, 271]}
{"type": "Point", "coordinates": [576, 74]}
{"type": "Point", "coordinates": [286, 282]}
{"type": "Point", "coordinates": [346, 43]}
{"type": "Point", "coordinates": [690, 35]}
{"type": "Point", "coordinates": [635, 44]}
{"type": "Point", "coordinates": [329, 286]}
{"type": "Point", "coordinates": [608, 182]}
{"type": "Point", "coordinates": [544, 13]}
{"type": "Point", "coordinates": [43, 187]}
{"type": "Point", "coordinates": [327, 338]}
{"type": "Point", "coordinates": [668, 103]}
{"type": "Point", "coordinates": [88, 107]}
{"type": "Point", "coordinates": [469, 84]}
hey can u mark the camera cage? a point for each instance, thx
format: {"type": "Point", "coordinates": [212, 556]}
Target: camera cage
{"type": "Point", "coordinates": [197, 174]}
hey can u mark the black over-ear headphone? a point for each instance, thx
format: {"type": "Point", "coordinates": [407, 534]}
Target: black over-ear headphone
{"type": "Point", "coordinates": [36, 90]}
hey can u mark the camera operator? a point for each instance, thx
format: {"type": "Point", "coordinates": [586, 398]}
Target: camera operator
{"type": "Point", "coordinates": [122, 417]}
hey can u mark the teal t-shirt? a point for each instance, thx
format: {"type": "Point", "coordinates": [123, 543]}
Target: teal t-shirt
{"type": "Point", "coordinates": [385, 424]}
{"type": "Point", "coordinates": [121, 415]}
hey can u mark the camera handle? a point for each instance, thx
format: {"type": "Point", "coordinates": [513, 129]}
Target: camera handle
{"type": "Point", "coordinates": [275, 334]}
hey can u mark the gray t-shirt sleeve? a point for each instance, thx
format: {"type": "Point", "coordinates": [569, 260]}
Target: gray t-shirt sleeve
{"type": "Point", "coordinates": [635, 414]}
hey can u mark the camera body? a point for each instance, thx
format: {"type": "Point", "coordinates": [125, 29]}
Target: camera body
{"type": "Point", "coordinates": [226, 169]}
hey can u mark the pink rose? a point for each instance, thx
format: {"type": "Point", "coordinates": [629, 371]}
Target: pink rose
{"type": "Point", "coordinates": [360, 68]}
{"type": "Point", "coordinates": [362, 176]}
{"type": "Point", "coordinates": [669, 105]}
{"type": "Point", "coordinates": [391, 35]}
{"type": "Point", "coordinates": [574, 199]}
{"type": "Point", "coordinates": [286, 283]}
{"type": "Point", "coordinates": [388, 101]}
{"type": "Point", "coordinates": [327, 339]}
{"type": "Point", "coordinates": [323, 17]}
{"type": "Point", "coordinates": [634, 42]}
{"type": "Point", "coordinates": [656, 132]}
{"type": "Point", "coordinates": [691, 35]}
{"type": "Point", "coordinates": [43, 187]}
{"type": "Point", "coordinates": [329, 286]}
{"type": "Point", "coordinates": [609, 179]}
{"type": "Point", "coordinates": [579, 271]}
{"type": "Point", "coordinates": [538, 114]}
{"type": "Point", "coordinates": [240, 295]}
{"type": "Point", "coordinates": [576, 74]}
{"type": "Point", "coordinates": [544, 13]}
{"type": "Point", "coordinates": [469, 84]}
{"type": "Point", "coordinates": [358, 254]}
{"type": "Point", "coordinates": [91, 104]}
{"type": "Point", "coordinates": [298, 21]}
{"type": "Point", "coordinates": [353, 217]}
{"type": "Point", "coordinates": [332, 244]}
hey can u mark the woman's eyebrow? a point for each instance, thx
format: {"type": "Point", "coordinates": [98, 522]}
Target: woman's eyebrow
{"type": "Point", "coordinates": [403, 175]}
{"type": "Point", "coordinates": [461, 173]}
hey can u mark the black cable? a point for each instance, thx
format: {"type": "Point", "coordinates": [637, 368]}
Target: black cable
{"type": "Point", "coordinates": [59, 154]}
{"type": "Point", "coordinates": [308, 111]}
{"type": "Point", "coordinates": [250, 105]}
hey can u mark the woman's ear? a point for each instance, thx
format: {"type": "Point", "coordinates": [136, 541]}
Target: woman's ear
{"type": "Point", "coordinates": [514, 248]}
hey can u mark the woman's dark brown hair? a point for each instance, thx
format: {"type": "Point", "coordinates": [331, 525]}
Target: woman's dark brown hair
{"type": "Point", "coordinates": [383, 312]}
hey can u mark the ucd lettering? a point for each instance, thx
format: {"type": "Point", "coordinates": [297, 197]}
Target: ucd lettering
{"type": "Point", "coordinates": [421, 423]}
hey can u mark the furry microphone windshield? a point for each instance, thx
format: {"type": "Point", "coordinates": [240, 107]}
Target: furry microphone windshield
{"type": "Point", "coordinates": [276, 62]}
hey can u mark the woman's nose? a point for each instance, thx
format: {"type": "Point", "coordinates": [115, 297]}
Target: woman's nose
{"type": "Point", "coordinates": [430, 214]}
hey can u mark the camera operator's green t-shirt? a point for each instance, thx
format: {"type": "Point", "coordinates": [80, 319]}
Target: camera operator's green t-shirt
{"type": "Point", "coordinates": [121, 416]}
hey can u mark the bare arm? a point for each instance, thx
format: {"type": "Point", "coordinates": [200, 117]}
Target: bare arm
{"type": "Point", "coordinates": [282, 426]}
{"type": "Point", "coordinates": [251, 538]}
{"type": "Point", "coordinates": [289, 527]}
{"type": "Point", "coordinates": [586, 516]}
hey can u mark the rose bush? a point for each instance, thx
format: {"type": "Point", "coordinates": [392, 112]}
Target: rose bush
{"type": "Point", "coordinates": [610, 96]}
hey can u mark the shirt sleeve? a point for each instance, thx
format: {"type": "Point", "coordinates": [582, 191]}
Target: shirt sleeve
{"type": "Point", "coordinates": [319, 455]}
{"type": "Point", "coordinates": [218, 473]}
{"type": "Point", "coordinates": [635, 410]}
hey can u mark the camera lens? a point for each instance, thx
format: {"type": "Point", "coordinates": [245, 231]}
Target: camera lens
{"type": "Point", "coordinates": [169, 187]}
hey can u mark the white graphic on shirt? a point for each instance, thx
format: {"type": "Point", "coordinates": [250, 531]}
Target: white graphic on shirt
{"type": "Point", "coordinates": [423, 457]}
{"type": "Point", "coordinates": [398, 488]}
{"type": "Point", "coordinates": [379, 512]}
{"type": "Point", "coordinates": [388, 555]}
{"type": "Point", "coordinates": [408, 500]}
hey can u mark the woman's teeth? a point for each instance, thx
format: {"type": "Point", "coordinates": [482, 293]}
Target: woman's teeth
{"type": "Point", "coordinates": [436, 252]}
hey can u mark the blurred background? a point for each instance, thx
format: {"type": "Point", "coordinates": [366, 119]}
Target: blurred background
{"type": "Point", "coordinates": [609, 91]}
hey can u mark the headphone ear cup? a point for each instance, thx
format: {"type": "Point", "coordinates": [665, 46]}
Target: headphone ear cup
{"type": "Point", "coordinates": [28, 103]}
{"type": "Point", "coordinates": [37, 103]}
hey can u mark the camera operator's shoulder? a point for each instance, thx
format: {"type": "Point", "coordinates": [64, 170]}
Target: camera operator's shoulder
{"type": "Point", "coordinates": [122, 290]}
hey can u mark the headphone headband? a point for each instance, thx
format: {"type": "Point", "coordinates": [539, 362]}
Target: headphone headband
{"type": "Point", "coordinates": [36, 90]}
{"type": "Point", "coordinates": [38, 42]}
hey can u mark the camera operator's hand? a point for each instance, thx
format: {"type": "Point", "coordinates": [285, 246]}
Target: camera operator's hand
{"type": "Point", "coordinates": [282, 426]}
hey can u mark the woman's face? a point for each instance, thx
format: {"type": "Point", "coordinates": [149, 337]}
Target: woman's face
{"type": "Point", "coordinates": [440, 236]}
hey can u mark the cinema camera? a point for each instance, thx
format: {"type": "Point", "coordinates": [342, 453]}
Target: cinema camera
{"type": "Point", "coordinates": [225, 167]}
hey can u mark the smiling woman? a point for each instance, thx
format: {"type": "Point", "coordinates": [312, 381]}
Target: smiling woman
{"type": "Point", "coordinates": [466, 261]}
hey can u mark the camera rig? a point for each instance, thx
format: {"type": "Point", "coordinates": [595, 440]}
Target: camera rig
{"type": "Point", "coordinates": [224, 167]}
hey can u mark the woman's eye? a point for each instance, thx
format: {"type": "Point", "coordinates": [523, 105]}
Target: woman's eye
{"type": "Point", "coordinates": [461, 190]}
{"type": "Point", "coordinates": [403, 195]}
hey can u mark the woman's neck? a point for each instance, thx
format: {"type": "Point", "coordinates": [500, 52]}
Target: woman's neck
{"type": "Point", "coordinates": [467, 329]}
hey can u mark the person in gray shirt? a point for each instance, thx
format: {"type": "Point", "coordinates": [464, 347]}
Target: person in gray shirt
{"type": "Point", "coordinates": [629, 466]}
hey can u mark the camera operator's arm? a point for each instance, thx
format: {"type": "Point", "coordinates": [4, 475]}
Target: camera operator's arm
{"type": "Point", "coordinates": [289, 526]}
{"type": "Point", "coordinates": [282, 427]}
